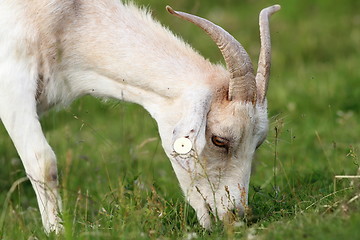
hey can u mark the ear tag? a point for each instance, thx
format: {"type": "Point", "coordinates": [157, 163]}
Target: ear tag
{"type": "Point", "coordinates": [182, 145]}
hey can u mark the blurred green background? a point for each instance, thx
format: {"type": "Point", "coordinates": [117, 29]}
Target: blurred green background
{"type": "Point", "coordinates": [118, 184]}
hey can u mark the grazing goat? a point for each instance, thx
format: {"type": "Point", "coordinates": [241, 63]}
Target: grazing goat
{"type": "Point", "coordinates": [211, 119]}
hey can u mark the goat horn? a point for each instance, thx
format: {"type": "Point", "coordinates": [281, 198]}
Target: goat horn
{"type": "Point", "coordinates": [242, 85]}
{"type": "Point", "coordinates": [263, 71]}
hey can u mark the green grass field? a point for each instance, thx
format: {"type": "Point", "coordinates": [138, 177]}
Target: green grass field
{"type": "Point", "coordinates": [117, 183]}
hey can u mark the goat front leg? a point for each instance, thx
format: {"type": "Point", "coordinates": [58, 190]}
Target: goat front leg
{"type": "Point", "coordinates": [19, 116]}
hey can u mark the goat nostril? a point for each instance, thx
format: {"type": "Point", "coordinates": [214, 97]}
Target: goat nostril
{"type": "Point", "coordinates": [234, 212]}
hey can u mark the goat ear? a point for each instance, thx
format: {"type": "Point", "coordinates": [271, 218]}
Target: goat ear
{"type": "Point", "coordinates": [189, 132]}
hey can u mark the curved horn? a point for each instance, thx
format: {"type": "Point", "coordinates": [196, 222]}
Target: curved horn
{"type": "Point", "coordinates": [263, 71]}
{"type": "Point", "coordinates": [242, 85]}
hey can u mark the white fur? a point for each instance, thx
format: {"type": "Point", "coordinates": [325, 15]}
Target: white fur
{"type": "Point", "coordinates": [52, 52]}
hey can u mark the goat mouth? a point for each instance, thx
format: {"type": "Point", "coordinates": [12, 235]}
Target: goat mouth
{"type": "Point", "coordinates": [228, 218]}
{"type": "Point", "coordinates": [232, 216]}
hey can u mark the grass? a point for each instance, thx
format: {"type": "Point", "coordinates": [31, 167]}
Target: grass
{"type": "Point", "coordinates": [117, 183]}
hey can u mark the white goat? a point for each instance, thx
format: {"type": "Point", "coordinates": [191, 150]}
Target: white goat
{"type": "Point", "coordinates": [210, 119]}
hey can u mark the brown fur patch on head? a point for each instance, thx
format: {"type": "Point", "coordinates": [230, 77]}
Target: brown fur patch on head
{"type": "Point", "coordinates": [232, 120]}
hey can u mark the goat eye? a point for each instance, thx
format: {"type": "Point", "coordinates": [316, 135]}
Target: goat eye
{"type": "Point", "coordinates": [220, 142]}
